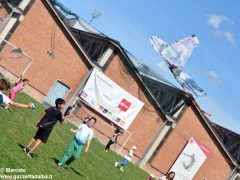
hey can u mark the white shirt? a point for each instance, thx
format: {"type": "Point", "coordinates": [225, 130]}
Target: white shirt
{"type": "Point", "coordinates": [163, 178]}
{"type": "Point", "coordinates": [6, 100]}
{"type": "Point", "coordinates": [129, 155]}
{"type": "Point", "coordinates": [114, 137]}
{"type": "Point", "coordinates": [84, 134]}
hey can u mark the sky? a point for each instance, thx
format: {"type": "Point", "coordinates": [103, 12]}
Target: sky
{"type": "Point", "coordinates": [214, 63]}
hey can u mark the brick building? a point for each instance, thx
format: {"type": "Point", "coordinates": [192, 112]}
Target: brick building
{"type": "Point", "coordinates": [62, 54]}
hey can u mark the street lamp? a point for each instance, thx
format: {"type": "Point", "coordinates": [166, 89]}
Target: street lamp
{"type": "Point", "coordinates": [95, 15]}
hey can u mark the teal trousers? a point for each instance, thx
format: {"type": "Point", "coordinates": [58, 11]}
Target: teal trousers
{"type": "Point", "coordinates": [71, 153]}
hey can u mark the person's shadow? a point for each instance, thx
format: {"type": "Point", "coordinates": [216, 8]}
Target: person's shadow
{"type": "Point", "coordinates": [55, 160]}
{"type": "Point", "coordinates": [75, 171]}
{"type": "Point", "coordinates": [78, 173]}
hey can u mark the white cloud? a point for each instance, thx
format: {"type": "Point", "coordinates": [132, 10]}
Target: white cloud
{"type": "Point", "coordinates": [213, 76]}
{"type": "Point", "coordinates": [217, 33]}
{"type": "Point", "coordinates": [227, 35]}
{"type": "Point", "coordinates": [216, 20]}
{"type": "Point", "coordinates": [230, 38]}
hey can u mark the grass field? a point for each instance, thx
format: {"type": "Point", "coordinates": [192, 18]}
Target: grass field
{"type": "Point", "coordinates": [17, 127]}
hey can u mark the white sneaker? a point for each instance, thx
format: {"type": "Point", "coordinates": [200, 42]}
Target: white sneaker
{"type": "Point", "coordinates": [25, 149]}
{"type": "Point", "coordinates": [29, 154]}
{"type": "Point", "coordinates": [64, 166]}
{"type": "Point", "coordinates": [121, 169]}
{"type": "Point", "coordinates": [59, 164]}
{"type": "Point", "coordinates": [116, 164]}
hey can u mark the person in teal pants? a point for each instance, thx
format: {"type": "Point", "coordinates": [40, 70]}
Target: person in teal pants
{"type": "Point", "coordinates": [83, 137]}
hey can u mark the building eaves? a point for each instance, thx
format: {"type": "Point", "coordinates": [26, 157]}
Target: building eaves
{"type": "Point", "coordinates": [230, 139]}
{"type": "Point", "coordinates": [94, 35]}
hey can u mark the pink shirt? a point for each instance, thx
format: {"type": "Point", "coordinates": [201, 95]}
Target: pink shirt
{"type": "Point", "coordinates": [18, 87]}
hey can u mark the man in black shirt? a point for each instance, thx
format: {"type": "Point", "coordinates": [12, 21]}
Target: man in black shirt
{"type": "Point", "coordinates": [45, 125]}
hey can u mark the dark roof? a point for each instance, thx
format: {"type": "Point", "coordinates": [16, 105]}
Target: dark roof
{"type": "Point", "coordinates": [230, 139]}
{"type": "Point", "coordinates": [12, 2]}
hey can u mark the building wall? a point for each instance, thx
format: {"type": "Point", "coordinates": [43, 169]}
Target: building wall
{"type": "Point", "coordinates": [37, 34]}
{"type": "Point", "coordinates": [190, 125]}
{"type": "Point", "coordinates": [148, 121]}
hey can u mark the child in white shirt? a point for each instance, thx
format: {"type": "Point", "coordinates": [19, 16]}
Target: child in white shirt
{"type": "Point", "coordinates": [127, 158]}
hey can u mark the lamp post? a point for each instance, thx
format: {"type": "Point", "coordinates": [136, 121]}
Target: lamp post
{"type": "Point", "coordinates": [95, 15]}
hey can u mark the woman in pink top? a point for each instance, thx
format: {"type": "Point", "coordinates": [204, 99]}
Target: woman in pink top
{"type": "Point", "coordinates": [17, 88]}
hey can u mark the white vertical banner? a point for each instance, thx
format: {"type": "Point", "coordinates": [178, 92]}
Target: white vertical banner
{"type": "Point", "coordinates": [190, 160]}
{"type": "Point", "coordinates": [109, 99]}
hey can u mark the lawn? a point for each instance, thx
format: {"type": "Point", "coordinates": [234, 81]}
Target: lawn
{"type": "Point", "coordinates": [17, 127]}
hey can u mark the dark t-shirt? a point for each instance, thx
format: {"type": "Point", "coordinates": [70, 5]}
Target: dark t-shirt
{"type": "Point", "coordinates": [50, 118]}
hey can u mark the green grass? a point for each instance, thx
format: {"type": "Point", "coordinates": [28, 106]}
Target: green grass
{"type": "Point", "coordinates": [17, 127]}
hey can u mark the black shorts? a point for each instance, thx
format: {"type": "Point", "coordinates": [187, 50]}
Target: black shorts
{"type": "Point", "coordinates": [42, 134]}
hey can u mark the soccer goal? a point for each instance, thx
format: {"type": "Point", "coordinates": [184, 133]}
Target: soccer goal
{"type": "Point", "coordinates": [13, 58]}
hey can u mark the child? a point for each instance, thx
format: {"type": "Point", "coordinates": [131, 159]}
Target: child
{"type": "Point", "coordinates": [151, 177]}
{"type": "Point", "coordinates": [18, 88]}
{"type": "Point", "coordinates": [127, 158]}
{"type": "Point", "coordinates": [114, 137]}
{"type": "Point", "coordinates": [45, 125]}
{"type": "Point", "coordinates": [83, 137]}
{"type": "Point", "coordinates": [169, 176]}
{"type": "Point", "coordinates": [86, 119]}
{"type": "Point", "coordinates": [4, 86]}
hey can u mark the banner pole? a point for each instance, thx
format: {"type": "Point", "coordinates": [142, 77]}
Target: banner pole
{"type": "Point", "coordinates": [125, 142]}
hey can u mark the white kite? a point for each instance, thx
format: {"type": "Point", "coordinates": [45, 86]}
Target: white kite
{"type": "Point", "coordinates": [178, 52]}
{"type": "Point", "coordinates": [158, 44]}
{"type": "Point", "coordinates": [176, 55]}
